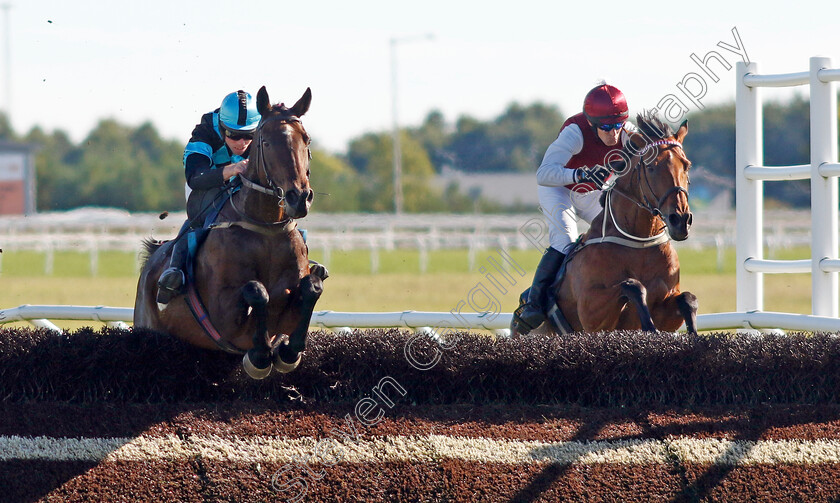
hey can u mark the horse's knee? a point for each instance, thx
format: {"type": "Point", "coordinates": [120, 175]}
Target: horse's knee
{"type": "Point", "coordinates": [688, 306]}
{"type": "Point", "coordinates": [311, 287]}
{"type": "Point", "coordinates": [688, 302]}
{"type": "Point", "coordinates": [634, 290]}
{"type": "Point", "coordinates": [255, 294]}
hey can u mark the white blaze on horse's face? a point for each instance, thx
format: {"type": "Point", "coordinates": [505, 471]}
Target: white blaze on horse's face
{"type": "Point", "coordinates": [294, 179]}
{"type": "Point", "coordinates": [300, 156]}
{"type": "Point", "coordinates": [673, 204]}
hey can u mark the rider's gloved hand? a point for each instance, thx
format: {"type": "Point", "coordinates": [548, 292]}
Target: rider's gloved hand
{"type": "Point", "coordinates": [597, 175]}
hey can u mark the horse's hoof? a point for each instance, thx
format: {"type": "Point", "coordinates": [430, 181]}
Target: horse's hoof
{"type": "Point", "coordinates": [252, 371]}
{"type": "Point", "coordinates": [283, 367]}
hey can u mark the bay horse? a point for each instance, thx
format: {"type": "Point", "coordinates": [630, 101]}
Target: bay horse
{"type": "Point", "coordinates": [252, 277]}
{"type": "Point", "coordinates": [625, 274]}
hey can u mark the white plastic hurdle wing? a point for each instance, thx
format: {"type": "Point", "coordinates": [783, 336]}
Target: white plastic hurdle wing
{"type": "Point", "coordinates": [823, 171]}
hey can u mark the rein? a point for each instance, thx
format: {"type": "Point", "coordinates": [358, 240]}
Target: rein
{"type": "Point", "coordinates": [628, 240]}
{"type": "Point", "coordinates": [631, 240]}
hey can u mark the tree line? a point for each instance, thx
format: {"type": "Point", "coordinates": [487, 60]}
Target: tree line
{"type": "Point", "coordinates": [132, 167]}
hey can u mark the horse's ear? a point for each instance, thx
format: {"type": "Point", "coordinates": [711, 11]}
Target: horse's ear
{"type": "Point", "coordinates": [263, 103]}
{"type": "Point", "coordinates": [682, 131]}
{"type": "Point", "coordinates": [302, 104]}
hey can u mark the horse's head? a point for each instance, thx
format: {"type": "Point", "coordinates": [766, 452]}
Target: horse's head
{"type": "Point", "coordinates": [279, 157]}
{"type": "Point", "coordinates": [659, 172]}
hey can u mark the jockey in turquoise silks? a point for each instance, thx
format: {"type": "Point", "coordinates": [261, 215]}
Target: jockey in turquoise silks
{"type": "Point", "coordinates": [216, 153]}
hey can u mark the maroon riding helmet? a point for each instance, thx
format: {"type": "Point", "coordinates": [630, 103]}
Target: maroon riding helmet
{"type": "Point", "coordinates": [605, 104]}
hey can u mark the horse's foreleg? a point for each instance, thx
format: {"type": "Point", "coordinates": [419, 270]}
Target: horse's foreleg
{"type": "Point", "coordinates": [687, 304]}
{"type": "Point", "coordinates": [636, 293]}
{"type": "Point", "coordinates": [257, 361]}
{"type": "Point", "coordinates": [676, 309]}
{"type": "Point", "coordinates": [287, 354]}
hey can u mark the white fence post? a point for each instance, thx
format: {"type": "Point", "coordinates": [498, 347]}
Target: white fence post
{"type": "Point", "coordinates": [94, 258]}
{"type": "Point", "coordinates": [327, 252]}
{"type": "Point", "coordinates": [49, 258]}
{"type": "Point", "coordinates": [374, 256]}
{"type": "Point", "coordinates": [824, 203]}
{"type": "Point", "coordinates": [749, 194]}
{"type": "Point", "coordinates": [423, 254]}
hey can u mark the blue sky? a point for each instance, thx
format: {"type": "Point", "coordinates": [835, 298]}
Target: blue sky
{"type": "Point", "coordinates": [76, 62]}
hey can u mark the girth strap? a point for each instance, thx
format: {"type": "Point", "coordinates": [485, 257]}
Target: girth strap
{"type": "Point", "coordinates": [555, 315]}
{"type": "Point", "coordinates": [200, 313]}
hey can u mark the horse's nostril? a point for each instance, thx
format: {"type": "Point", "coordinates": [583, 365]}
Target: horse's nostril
{"type": "Point", "coordinates": [674, 220]}
{"type": "Point", "coordinates": [688, 220]}
{"type": "Point", "coordinates": [311, 196]}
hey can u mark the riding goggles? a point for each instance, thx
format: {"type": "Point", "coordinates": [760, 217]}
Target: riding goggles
{"type": "Point", "coordinates": [239, 135]}
{"type": "Point", "coordinates": [610, 127]}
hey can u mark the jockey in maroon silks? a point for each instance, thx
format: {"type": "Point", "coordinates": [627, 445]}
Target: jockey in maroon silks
{"type": "Point", "coordinates": [575, 168]}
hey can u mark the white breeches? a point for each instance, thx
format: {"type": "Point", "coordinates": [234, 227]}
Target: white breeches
{"type": "Point", "coordinates": [562, 208]}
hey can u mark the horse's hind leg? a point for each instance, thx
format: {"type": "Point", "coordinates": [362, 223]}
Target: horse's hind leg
{"type": "Point", "coordinates": [257, 361]}
{"type": "Point", "coordinates": [636, 293]}
{"type": "Point", "coordinates": [287, 354]}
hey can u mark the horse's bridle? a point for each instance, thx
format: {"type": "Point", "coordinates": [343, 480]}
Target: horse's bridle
{"type": "Point", "coordinates": [273, 189]}
{"type": "Point", "coordinates": [647, 204]}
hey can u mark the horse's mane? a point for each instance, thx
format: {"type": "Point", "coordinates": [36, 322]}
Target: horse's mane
{"type": "Point", "coordinates": [282, 109]}
{"type": "Point", "coordinates": [652, 126]}
{"type": "Point", "coordinates": [150, 245]}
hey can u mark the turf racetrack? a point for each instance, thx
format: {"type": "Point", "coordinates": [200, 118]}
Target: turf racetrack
{"type": "Point", "coordinates": [136, 416]}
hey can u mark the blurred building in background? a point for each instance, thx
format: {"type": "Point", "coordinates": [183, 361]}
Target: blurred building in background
{"type": "Point", "coordinates": [17, 178]}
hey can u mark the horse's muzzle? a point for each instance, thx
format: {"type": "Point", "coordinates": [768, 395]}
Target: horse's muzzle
{"type": "Point", "coordinates": [298, 202]}
{"type": "Point", "coordinates": [679, 225]}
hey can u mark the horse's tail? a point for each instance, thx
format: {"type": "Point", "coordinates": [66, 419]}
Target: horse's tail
{"type": "Point", "coordinates": [150, 246]}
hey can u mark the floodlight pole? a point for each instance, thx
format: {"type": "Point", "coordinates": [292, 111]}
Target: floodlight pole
{"type": "Point", "coordinates": [8, 62]}
{"type": "Point", "coordinates": [395, 129]}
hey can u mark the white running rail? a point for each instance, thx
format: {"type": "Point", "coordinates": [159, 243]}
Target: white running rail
{"type": "Point", "coordinates": [420, 321]}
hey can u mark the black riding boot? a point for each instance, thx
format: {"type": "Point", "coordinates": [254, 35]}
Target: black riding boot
{"type": "Point", "coordinates": [531, 314]}
{"type": "Point", "coordinates": [171, 281]}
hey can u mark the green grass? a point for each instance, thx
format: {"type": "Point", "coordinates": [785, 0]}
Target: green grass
{"type": "Point", "coordinates": [68, 264]}
{"type": "Point", "coordinates": [398, 286]}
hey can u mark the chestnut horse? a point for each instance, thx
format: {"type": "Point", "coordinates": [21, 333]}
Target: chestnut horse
{"type": "Point", "coordinates": [252, 279]}
{"type": "Point", "coordinates": [625, 274]}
